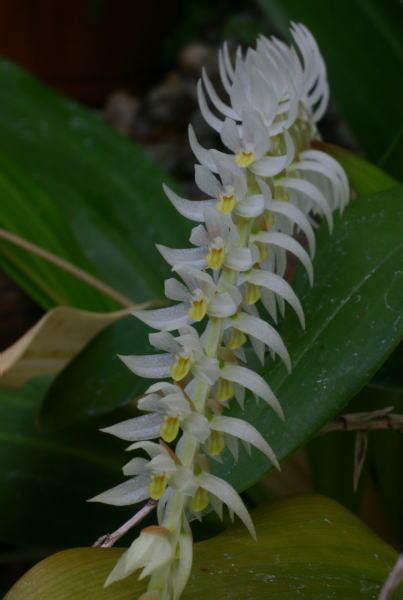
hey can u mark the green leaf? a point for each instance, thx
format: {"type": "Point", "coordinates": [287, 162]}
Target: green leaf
{"type": "Point", "coordinates": [353, 324]}
{"type": "Point", "coordinates": [101, 382]}
{"type": "Point", "coordinates": [47, 478]}
{"type": "Point", "coordinates": [70, 184]}
{"type": "Point", "coordinates": [361, 43]}
{"type": "Point", "coordinates": [308, 547]}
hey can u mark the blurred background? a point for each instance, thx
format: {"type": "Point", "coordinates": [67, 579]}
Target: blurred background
{"type": "Point", "coordinates": [136, 65]}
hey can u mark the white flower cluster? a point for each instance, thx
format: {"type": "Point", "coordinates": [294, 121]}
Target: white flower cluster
{"type": "Point", "coordinates": [269, 186]}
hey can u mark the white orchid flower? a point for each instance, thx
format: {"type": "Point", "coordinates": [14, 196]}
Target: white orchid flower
{"type": "Point", "coordinates": [217, 246]}
{"type": "Point", "coordinates": [200, 296]}
{"type": "Point", "coordinates": [149, 477]}
{"type": "Point", "coordinates": [152, 550]}
{"type": "Point", "coordinates": [183, 354]}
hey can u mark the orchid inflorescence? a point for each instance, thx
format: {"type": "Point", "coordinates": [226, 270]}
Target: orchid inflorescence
{"type": "Point", "coordinates": [269, 186]}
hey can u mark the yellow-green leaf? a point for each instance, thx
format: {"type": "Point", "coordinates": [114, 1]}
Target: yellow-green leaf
{"type": "Point", "coordinates": [308, 548]}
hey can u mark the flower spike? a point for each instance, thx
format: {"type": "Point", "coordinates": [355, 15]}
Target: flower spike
{"type": "Point", "coordinates": [270, 187]}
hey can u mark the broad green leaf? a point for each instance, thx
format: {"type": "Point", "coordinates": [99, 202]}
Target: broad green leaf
{"type": "Point", "coordinates": [47, 478]}
{"type": "Point", "coordinates": [361, 43]}
{"type": "Point", "coordinates": [353, 324]}
{"type": "Point", "coordinates": [70, 184]}
{"type": "Point", "coordinates": [101, 382]}
{"type": "Point", "coordinates": [308, 547]}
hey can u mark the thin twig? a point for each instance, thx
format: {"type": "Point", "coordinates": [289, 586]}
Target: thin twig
{"type": "Point", "coordinates": [393, 581]}
{"type": "Point", "coordinates": [366, 421]}
{"type": "Point", "coordinates": [66, 266]}
{"type": "Point", "coordinates": [109, 539]}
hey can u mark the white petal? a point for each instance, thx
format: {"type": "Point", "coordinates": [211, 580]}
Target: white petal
{"type": "Point", "coordinates": [254, 382]}
{"type": "Point", "coordinates": [295, 215]}
{"type": "Point", "coordinates": [163, 386]}
{"type": "Point", "coordinates": [155, 559]}
{"type": "Point", "coordinates": [226, 493]}
{"type": "Point", "coordinates": [287, 243]}
{"type": "Point", "coordinates": [155, 366]}
{"type": "Point", "coordinates": [151, 448]}
{"type": "Point", "coordinates": [269, 302]}
{"type": "Point", "coordinates": [217, 506]}
{"type": "Point", "coordinates": [140, 428]}
{"type": "Point", "coordinates": [208, 116]}
{"type": "Point", "coordinates": [215, 99]}
{"type": "Point", "coordinates": [252, 207]}
{"type": "Point", "coordinates": [129, 492]}
{"type": "Point", "coordinates": [244, 431]}
{"type": "Point", "coordinates": [165, 319]}
{"type": "Point", "coordinates": [136, 466]}
{"type": "Point", "coordinates": [239, 259]}
{"type": "Point", "coordinates": [223, 73]}
{"type": "Point", "coordinates": [186, 256]}
{"type": "Point", "coordinates": [175, 290]}
{"type": "Point", "coordinates": [206, 182]}
{"type": "Point", "coordinates": [165, 341]}
{"type": "Point", "coordinates": [182, 573]}
{"type": "Point", "coordinates": [281, 288]}
{"type": "Point", "coordinates": [190, 209]}
{"type": "Point", "coordinates": [312, 192]}
{"type": "Point", "coordinates": [221, 306]}
{"type": "Point", "coordinates": [265, 333]}
{"type": "Point", "coordinates": [269, 165]}
{"type": "Point", "coordinates": [227, 62]}
{"type": "Point", "coordinates": [203, 156]}
{"type": "Point", "coordinates": [230, 135]}
{"type": "Point", "coordinates": [197, 425]}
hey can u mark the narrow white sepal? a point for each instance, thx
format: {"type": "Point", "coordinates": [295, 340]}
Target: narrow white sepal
{"type": "Point", "coordinates": [165, 319]}
{"type": "Point", "coordinates": [190, 209]}
{"type": "Point", "coordinates": [135, 430]}
{"type": "Point", "coordinates": [253, 382]}
{"type": "Point", "coordinates": [265, 333]}
{"type": "Point", "coordinates": [286, 242]}
{"type": "Point", "coordinates": [280, 287]}
{"type": "Point", "coordinates": [154, 366]}
{"type": "Point", "coordinates": [244, 431]}
{"type": "Point", "coordinates": [226, 493]}
{"type": "Point", "coordinates": [131, 491]}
